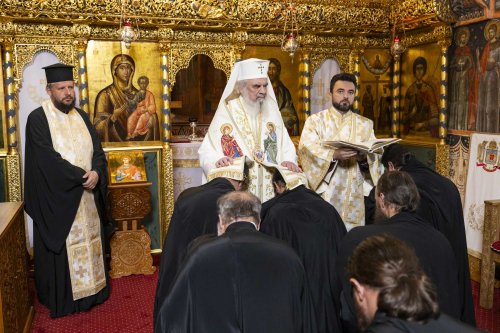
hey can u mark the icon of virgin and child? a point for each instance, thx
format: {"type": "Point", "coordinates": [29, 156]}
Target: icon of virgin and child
{"type": "Point", "coordinates": [123, 112]}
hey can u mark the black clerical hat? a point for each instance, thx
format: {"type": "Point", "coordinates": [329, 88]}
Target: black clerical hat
{"type": "Point", "coordinates": [58, 72]}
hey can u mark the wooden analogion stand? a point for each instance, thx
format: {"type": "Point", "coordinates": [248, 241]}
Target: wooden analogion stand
{"type": "Point", "coordinates": [131, 244]}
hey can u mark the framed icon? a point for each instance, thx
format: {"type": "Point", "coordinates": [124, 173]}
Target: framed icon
{"type": "Point", "coordinates": [126, 167]}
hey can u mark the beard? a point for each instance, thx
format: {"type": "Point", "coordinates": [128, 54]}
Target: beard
{"type": "Point", "coordinates": [343, 106]}
{"type": "Point", "coordinates": [253, 107]}
{"type": "Point", "coordinates": [254, 104]}
{"type": "Point", "coordinates": [257, 104]}
{"type": "Point", "coordinates": [64, 107]}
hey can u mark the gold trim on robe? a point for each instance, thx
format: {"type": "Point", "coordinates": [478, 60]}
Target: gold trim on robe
{"type": "Point", "coordinates": [232, 113]}
{"type": "Point", "coordinates": [341, 183]}
{"type": "Point", "coordinates": [71, 139]}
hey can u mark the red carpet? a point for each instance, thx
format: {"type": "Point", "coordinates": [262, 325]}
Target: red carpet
{"type": "Point", "coordinates": [487, 320]}
{"type": "Point", "coordinates": [129, 309]}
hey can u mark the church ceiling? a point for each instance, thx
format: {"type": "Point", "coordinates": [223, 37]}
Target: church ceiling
{"type": "Point", "coordinates": [371, 18]}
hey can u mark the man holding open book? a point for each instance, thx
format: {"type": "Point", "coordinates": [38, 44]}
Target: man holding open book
{"type": "Point", "coordinates": [342, 175]}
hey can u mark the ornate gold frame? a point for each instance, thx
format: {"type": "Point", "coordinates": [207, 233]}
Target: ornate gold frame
{"type": "Point", "coordinates": [165, 181]}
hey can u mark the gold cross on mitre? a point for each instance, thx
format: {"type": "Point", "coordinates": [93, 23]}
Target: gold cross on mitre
{"type": "Point", "coordinates": [252, 69]}
{"type": "Point", "coordinates": [261, 67]}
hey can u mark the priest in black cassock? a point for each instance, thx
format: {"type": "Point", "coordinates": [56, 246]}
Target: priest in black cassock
{"type": "Point", "coordinates": [314, 229]}
{"type": "Point", "coordinates": [65, 188]}
{"type": "Point", "coordinates": [397, 199]}
{"type": "Point", "coordinates": [195, 214]}
{"type": "Point", "coordinates": [440, 205]}
{"type": "Point", "coordinates": [241, 281]}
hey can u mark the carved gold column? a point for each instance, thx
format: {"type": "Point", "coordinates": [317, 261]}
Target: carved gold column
{"type": "Point", "coordinates": [490, 234]}
{"type": "Point", "coordinates": [443, 35]}
{"type": "Point", "coordinates": [355, 60]}
{"type": "Point", "coordinates": [10, 87]}
{"type": "Point", "coordinates": [166, 95]}
{"type": "Point", "coordinates": [305, 87]}
{"type": "Point", "coordinates": [443, 159]}
{"type": "Point", "coordinates": [167, 177]}
{"type": "Point", "coordinates": [82, 33]}
{"type": "Point", "coordinates": [396, 86]}
{"type": "Point", "coordinates": [10, 93]}
{"type": "Point", "coordinates": [238, 41]}
{"type": "Point", "coordinates": [443, 92]}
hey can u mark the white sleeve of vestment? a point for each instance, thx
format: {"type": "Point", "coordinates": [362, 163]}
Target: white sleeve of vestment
{"type": "Point", "coordinates": [288, 148]}
{"type": "Point", "coordinates": [315, 159]}
{"type": "Point", "coordinates": [209, 153]}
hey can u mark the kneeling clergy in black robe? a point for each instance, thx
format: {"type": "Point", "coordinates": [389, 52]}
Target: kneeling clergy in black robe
{"type": "Point", "coordinates": [392, 293]}
{"type": "Point", "coordinates": [195, 214]}
{"type": "Point", "coordinates": [241, 281]}
{"type": "Point", "coordinates": [65, 188]}
{"type": "Point", "coordinates": [441, 206]}
{"type": "Point", "coordinates": [397, 199]}
{"type": "Point", "coordinates": [314, 229]}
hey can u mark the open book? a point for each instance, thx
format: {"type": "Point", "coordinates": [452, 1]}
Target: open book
{"type": "Point", "coordinates": [369, 146]}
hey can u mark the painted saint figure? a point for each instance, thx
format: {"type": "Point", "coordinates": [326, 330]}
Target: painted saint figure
{"type": "Point", "coordinates": [368, 104]}
{"type": "Point", "coordinates": [116, 102]}
{"type": "Point", "coordinates": [421, 111]}
{"type": "Point", "coordinates": [229, 145]}
{"type": "Point", "coordinates": [488, 108]}
{"type": "Point", "coordinates": [139, 122]}
{"type": "Point", "coordinates": [283, 97]}
{"type": "Point", "coordinates": [127, 171]}
{"type": "Point", "coordinates": [385, 107]}
{"type": "Point", "coordinates": [271, 144]}
{"type": "Point", "coordinates": [461, 76]}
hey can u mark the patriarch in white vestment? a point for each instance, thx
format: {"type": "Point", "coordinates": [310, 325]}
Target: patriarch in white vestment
{"type": "Point", "coordinates": [248, 123]}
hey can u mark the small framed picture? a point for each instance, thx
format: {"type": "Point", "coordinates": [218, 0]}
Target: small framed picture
{"type": "Point", "coordinates": [126, 167]}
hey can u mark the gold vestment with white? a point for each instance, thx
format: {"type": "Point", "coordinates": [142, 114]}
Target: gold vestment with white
{"type": "Point", "coordinates": [341, 183]}
{"type": "Point", "coordinates": [71, 139]}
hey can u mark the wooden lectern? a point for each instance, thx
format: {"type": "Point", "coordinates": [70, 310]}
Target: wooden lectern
{"type": "Point", "coordinates": [131, 244]}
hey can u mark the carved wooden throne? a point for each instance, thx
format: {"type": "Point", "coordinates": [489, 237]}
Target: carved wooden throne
{"type": "Point", "coordinates": [131, 244]}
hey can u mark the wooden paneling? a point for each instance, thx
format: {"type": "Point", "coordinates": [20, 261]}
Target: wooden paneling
{"type": "Point", "coordinates": [15, 301]}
